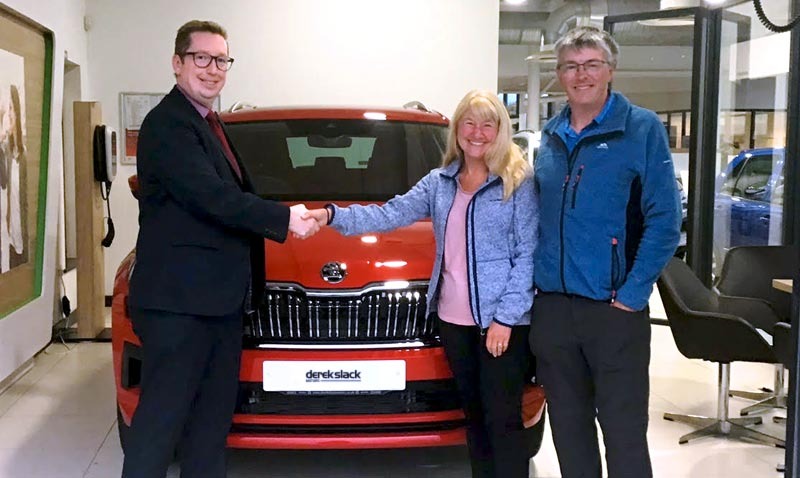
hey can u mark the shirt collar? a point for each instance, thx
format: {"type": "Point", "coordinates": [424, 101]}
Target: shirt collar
{"type": "Point", "coordinates": [567, 129]}
{"type": "Point", "coordinates": [203, 110]}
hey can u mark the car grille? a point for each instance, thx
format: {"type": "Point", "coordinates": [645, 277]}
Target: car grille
{"type": "Point", "coordinates": [419, 396]}
{"type": "Point", "coordinates": [373, 314]}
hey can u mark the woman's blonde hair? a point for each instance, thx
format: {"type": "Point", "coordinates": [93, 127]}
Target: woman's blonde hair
{"type": "Point", "coordinates": [504, 158]}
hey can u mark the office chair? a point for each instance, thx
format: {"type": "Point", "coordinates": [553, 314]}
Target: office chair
{"type": "Point", "coordinates": [783, 347]}
{"type": "Point", "coordinates": [715, 328]}
{"type": "Point", "coordinates": [748, 272]}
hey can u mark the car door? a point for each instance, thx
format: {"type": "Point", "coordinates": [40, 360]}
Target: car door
{"type": "Point", "coordinates": [750, 202]}
{"type": "Point", "coordinates": [723, 202]}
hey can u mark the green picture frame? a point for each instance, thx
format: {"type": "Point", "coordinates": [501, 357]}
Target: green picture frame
{"type": "Point", "coordinates": [26, 70]}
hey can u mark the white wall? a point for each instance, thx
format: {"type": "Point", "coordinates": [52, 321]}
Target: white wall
{"type": "Point", "coordinates": [373, 52]}
{"type": "Point", "coordinates": [27, 330]}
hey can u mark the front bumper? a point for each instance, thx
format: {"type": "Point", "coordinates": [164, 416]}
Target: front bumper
{"type": "Point", "coordinates": [426, 413]}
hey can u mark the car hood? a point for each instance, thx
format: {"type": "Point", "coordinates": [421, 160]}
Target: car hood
{"type": "Point", "coordinates": [403, 254]}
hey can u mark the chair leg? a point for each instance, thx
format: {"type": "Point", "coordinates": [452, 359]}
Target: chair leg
{"type": "Point", "coordinates": [754, 396]}
{"type": "Point", "coordinates": [722, 425]}
{"type": "Point", "coordinates": [712, 426]}
{"type": "Point", "coordinates": [775, 401]}
{"type": "Point", "coordinates": [772, 399]}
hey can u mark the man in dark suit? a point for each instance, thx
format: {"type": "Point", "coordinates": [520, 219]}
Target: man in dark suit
{"type": "Point", "coordinates": [200, 246]}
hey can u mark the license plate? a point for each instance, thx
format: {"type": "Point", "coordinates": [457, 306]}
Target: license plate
{"type": "Point", "coordinates": [334, 376]}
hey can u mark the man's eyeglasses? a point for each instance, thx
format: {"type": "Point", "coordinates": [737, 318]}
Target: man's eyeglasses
{"type": "Point", "coordinates": [202, 60]}
{"type": "Point", "coordinates": [591, 67]}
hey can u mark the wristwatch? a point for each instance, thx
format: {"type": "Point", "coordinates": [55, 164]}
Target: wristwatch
{"type": "Point", "coordinates": [331, 212]}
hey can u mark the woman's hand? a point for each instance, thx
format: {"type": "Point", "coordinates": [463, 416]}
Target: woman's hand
{"type": "Point", "coordinates": [320, 215]}
{"type": "Point", "coordinates": [497, 339]}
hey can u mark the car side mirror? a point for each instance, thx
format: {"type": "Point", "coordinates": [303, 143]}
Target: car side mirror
{"type": "Point", "coordinates": [754, 190]}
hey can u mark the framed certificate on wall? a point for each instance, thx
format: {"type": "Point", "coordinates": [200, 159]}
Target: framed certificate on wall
{"type": "Point", "coordinates": [133, 107]}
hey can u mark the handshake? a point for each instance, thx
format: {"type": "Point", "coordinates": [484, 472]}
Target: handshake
{"type": "Point", "coordinates": [304, 223]}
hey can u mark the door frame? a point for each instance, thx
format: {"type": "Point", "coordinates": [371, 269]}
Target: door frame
{"type": "Point", "coordinates": [703, 117]}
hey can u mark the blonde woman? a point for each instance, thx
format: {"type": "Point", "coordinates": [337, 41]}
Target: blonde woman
{"type": "Point", "coordinates": [482, 204]}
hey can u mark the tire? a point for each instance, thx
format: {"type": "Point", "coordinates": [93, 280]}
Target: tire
{"type": "Point", "coordinates": [533, 436]}
{"type": "Point", "coordinates": [124, 430]}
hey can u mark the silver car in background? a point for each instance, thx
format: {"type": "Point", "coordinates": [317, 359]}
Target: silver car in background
{"type": "Point", "coordinates": [529, 142]}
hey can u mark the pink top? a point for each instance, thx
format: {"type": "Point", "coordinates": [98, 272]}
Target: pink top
{"type": "Point", "coordinates": [454, 293]}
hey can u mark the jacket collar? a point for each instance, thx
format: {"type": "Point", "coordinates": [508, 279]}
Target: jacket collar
{"type": "Point", "coordinates": [613, 122]}
{"type": "Point", "coordinates": [452, 169]}
{"type": "Point", "coordinates": [177, 99]}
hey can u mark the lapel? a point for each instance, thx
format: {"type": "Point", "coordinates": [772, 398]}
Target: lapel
{"type": "Point", "coordinates": [246, 184]}
{"type": "Point", "coordinates": [193, 116]}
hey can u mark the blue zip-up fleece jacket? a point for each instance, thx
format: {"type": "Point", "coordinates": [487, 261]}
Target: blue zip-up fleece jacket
{"type": "Point", "coordinates": [501, 236]}
{"type": "Point", "coordinates": [610, 210]}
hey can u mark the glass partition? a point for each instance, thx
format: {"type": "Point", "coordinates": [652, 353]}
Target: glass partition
{"type": "Point", "coordinates": [655, 71]}
{"type": "Point", "coordinates": [751, 131]}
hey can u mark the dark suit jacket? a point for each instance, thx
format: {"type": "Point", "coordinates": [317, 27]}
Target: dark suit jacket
{"type": "Point", "coordinates": [201, 230]}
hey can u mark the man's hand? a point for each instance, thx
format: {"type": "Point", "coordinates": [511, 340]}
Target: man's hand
{"type": "Point", "coordinates": [301, 228]}
{"type": "Point", "coordinates": [619, 305]}
{"type": "Point", "coordinates": [318, 215]}
{"type": "Point", "coordinates": [497, 339]}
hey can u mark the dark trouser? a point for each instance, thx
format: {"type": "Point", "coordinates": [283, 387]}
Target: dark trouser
{"type": "Point", "coordinates": [592, 360]}
{"type": "Point", "coordinates": [491, 394]}
{"type": "Point", "coordinates": [190, 373]}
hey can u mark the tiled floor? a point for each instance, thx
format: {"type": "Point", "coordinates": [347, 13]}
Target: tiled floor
{"type": "Point", "coordinates": [58, 421]}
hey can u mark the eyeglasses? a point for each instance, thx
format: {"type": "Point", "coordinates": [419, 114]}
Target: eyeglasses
{"type": "Point", "coordinates": [202, 60]}
{"type": "Point", "coordinates": [591, 67]}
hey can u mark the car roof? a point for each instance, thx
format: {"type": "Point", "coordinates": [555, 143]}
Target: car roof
{"type": "Point", "coordinates": [334, 112]}
{"type": "Point", "coordinates": [747, 153]}
{"type": "Point", "coordinates": [762, 152]}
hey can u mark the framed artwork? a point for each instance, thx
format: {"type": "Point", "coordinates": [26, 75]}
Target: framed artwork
{"type": "Point", "coordinates": [26, 66]}
{"type": "Point", "coordinates": [133, 107]}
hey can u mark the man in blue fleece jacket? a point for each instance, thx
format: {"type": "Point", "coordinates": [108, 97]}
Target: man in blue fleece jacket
{"type": "Point", "coordinates": [609, 222]}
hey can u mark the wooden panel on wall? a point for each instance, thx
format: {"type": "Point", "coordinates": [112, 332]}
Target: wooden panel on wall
{"type": "Point", "coordinates": [89, 224]}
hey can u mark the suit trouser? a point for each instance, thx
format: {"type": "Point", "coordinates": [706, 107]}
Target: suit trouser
{"type": "Point", "coordinates": [592, 360]}
{"type": "Point", "coordinates": [491, 394]}
{"type": "Point", "coordinates": [190, 373]}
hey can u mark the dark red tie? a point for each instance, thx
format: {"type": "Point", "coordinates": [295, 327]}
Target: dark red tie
{"type": "Point", "coordinates": [216, 127]}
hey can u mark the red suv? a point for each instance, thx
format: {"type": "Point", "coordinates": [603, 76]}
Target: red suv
{"type": "Point", "coordinates": [340, 354]}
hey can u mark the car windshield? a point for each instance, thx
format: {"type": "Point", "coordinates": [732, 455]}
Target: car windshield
{"type": "Point", "coordinates": [360, 160]}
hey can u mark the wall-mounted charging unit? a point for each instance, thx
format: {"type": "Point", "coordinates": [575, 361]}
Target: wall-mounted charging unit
{"type": "Point", "coordinates": [105, 170]}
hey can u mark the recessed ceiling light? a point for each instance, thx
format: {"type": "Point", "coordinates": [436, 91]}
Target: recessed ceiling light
{"type": "Point", "coordinates": [516, 2]}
